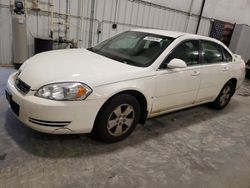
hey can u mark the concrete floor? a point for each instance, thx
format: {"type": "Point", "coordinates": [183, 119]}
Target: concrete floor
{"type": "Point", "coordinates": [197, 147]}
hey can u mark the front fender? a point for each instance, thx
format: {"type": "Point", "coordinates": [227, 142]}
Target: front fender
{"type": "Point", "coordinates": [145, 86]}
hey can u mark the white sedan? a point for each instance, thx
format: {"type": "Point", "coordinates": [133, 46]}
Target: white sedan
{"type": "Point", "coordinates": [110, 88]}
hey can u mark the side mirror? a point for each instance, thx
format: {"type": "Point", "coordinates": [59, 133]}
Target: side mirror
{"type": "Point", "coordinates": [177, 63]}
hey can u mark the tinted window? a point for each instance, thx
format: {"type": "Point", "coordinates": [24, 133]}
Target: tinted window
{"type": "Point", "coordinates": [211, 52]}
{"type": "Point", "coordinates": [227, 56]}
{"type": "Point", "coordinates": [187, 51]}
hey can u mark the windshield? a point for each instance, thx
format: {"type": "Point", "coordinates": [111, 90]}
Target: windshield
{"type": "Point", "coordinates": [134, 48]}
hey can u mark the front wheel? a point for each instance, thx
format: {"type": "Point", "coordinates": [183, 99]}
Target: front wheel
{"type": "Point", "coordinates": [117, 119]}
{"type": "Point", "coordinates": [224, 97]}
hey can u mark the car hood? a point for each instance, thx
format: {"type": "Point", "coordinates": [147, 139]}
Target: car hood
{"type": "Point", "coordinates": [78, 65]}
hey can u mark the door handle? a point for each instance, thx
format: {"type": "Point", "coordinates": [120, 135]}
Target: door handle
{"type": "Point", "coordinates": [195, 73]}
{"type": "Point", "coordinates": [225, 68]}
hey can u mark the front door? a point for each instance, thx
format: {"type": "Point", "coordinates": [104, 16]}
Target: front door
{"type": "Point", "coordinates": [176, 88]}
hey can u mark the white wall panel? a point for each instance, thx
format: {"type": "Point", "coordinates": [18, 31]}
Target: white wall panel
{"type": "Point", "coordinates": [205, 27]}
{"type": "Point", "coordinates": [192, 23]}
{"type": "Point", "coordinates": [132, 15]}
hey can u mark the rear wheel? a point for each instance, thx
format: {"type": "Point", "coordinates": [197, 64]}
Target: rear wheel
{"type": "Point", "coordinates": [224, 97]}
{"type": "Point", "coordinates": [117, 119]}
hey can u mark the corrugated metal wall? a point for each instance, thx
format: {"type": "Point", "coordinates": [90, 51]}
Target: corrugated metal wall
{"type": "Point", "coordinates": [134, 14]}
{"type": "Point", "coordinates": [126, 14]}
{"type": "Point", "coordinates": [5, 36]}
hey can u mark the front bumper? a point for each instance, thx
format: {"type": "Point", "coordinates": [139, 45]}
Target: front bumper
{"type": "Point", "coordinates": [56, 117]}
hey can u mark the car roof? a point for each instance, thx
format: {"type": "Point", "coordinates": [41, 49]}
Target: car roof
{"type": "Point", "coordinates": [173, 34]}
{"type": "Point", "coordinates": [176, 34]}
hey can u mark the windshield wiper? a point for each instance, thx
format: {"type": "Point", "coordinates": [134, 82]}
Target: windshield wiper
{"type": "Point", "coordinates": [122, 60]}
{"type": "Point", "coordinates": [91, 49]}
{"type": "Point", "coordinates": [116, 58]}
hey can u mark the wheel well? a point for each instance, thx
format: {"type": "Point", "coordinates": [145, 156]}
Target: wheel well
{"type": "Point", "coordinates": [142, 101]}
{"type": "Point", "coordinates": [234, 82]}
{"type": "Point", "coordinates": [140, 98]}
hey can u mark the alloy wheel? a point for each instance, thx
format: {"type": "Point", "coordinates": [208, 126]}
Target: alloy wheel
{"type": "Point", "coordinates": [120, 120]}
{"type": "Point", "coordinates": [226, 94]}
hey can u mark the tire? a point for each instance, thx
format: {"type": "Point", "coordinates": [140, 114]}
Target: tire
{"type": "Point", "coordinates": [224, 97]}
{"type": "Point", "coordinates": [117, 119]}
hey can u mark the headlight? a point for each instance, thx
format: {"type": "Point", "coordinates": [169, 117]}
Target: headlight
{"type": "Point", "coordinates": [70, 91]}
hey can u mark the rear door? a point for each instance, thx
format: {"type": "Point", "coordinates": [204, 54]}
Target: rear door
{"type": "Point", "coordinates": [214, 70]}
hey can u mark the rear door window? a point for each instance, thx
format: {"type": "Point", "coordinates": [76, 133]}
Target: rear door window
{"type": "Point", "coordinates": [211, 52]}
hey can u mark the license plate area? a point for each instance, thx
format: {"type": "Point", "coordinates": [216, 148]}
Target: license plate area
{"type": "Point", "coordinates": [13, 105]}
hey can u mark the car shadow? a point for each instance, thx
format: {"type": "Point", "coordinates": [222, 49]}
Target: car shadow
{"type": "Point", "coordinates": [68, 146]}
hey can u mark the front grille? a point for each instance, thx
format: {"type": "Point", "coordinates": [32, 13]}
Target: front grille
{"type": "Point", "coordinates": [49, 123]}
{"type": "Point", "coordinates": [22, 86]}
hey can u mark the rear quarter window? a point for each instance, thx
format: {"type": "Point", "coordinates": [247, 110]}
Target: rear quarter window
{"type": "Point", "coordinates": [227, 55]}
{"type": "Point", "coordinates": [212, 52]}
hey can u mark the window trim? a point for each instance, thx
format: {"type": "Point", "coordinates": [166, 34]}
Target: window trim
{"type": "Point", "coordinates": [181, 42]}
